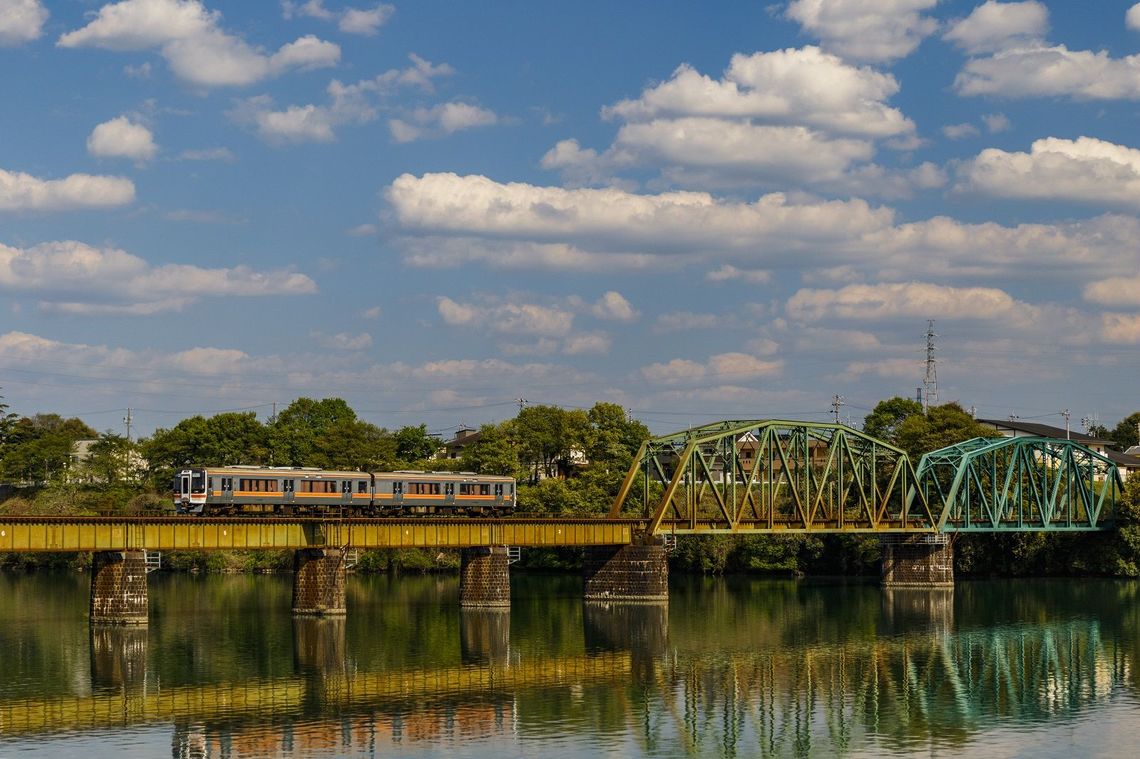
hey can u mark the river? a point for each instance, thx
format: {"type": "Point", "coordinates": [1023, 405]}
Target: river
{"type": "Point", "coordinates": [730, 668]}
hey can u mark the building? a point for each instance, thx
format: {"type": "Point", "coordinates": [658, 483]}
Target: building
{"type": "Point", "coordinates": [453, 448]}
{"type": "Point", "coordinates": [1127, 463]}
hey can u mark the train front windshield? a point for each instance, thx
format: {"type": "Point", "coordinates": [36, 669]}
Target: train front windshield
{"type": "Point", "coordinates": [190, 481]}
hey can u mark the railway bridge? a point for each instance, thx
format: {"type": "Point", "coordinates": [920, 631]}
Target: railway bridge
{"type": "Point", "coordinates": [741, 477]}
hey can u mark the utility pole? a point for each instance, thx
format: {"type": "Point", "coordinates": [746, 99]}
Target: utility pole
{"type": "Point", "coordinates": [1066, 414]}
{"type": "Point", "coordinates": [836, 404]}
{"type": "Point", "coordinates": [127, 421]}
{"type": "Point", "coordinates": [522, 403]}
{"type": "Point", "coordinates": [930, 381]}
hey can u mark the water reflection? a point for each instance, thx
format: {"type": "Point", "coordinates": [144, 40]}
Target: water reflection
{"type": "Point", "coordinates": [729, 668]}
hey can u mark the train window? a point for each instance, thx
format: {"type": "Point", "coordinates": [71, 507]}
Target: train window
{"type": "Point", "coordinates": [498, 488]}
{"type": "Point", "coordinates": [423, 488]}
{"type": "Point", "coordinates": [397, 488]}
{"type": "Point", "coordinates": [250, 485]}
{"type": "Point", "coordinates": [449, 489]}
{"type": "Point", "coordinates": [346, 486]}
{"type": "Point", "coordinates": [318, 486]}
{"type": "Point", "coordinates": [288, 486]}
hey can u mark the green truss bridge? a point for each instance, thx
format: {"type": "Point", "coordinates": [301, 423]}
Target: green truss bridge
{"type": "Point", "coordinates": [779, 476]}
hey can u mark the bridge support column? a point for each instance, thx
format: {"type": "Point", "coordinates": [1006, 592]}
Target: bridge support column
{"type": "Point", "coordinates": [484, 578]}
{"type": "Point", "coordinates": [917, 561]}
{"type": "Point", "coordinates": [627, 574]}
{"type": "Point", "coordinates": [118, 588]}
{"type": "Point", "coordinates": [318, 582]}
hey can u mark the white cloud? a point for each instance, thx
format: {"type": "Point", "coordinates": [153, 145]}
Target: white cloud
{"type": "Point", "coordinates": [21, 21]}
{"type": "Point", "coordinates": [24, 192]}
{"type": "Point", "coordinates": [1115, 291]}
{"type": "Point", "coordinates": [348, 104]}
{"type": "Point", "coordinates": [1085, 169]}
{"type": "Point", "coordinates": [734, 366]}
{"type": "Point", "coordinates": [910, 300]}
{"type": "Point", "coordinates": [867, 30]}
{"type": "Point", "coordinates": [344, 341]}
{"type": "Point", "coordinates": [122, 138]}
{"type": "Point", "coordinates": [994, 26]}
{"type": "Point", "coordinates": [996, 122]}
{"type": "Point", "coordinates": [77, 278]}
{"type": "Point", "coordinates": [1121, 328]}
{"type": "Point", "coordinates": [613, 306]}
{"type": "Point", "coordinates": [208, 154]}
{"type": "Point", "coordinates": [507, 318]}
{"type": "Point", "coordinates": [684, 320]}
{"type": "Point", "coordinates": [1051, 72]}
{"type": "Point", "coordinates": [442, 119]}
{"type": "Point", "coordinates": [793, 86]}
{"type": "Point", "coordinates": [366, 21]}
{"type": "Point", "coordinates": [730, 273]}
{"type": "Point", "coordinates": [1132, 18]}
{"type": "Point", "coordinates": [592, 342]}
{"type": "Point", "coordinates": [197, 49]}
{"type": "Point", "coordinates": [960, 131]}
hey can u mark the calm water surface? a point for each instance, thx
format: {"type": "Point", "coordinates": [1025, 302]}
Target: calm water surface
{"type": "Point", "coordinates": [731, 668]}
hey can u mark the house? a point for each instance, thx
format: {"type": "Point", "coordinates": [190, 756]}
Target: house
{"type": "Point", "coordinates": [1127, 463]}
{"type": "Point", "coordinates": [453, 448]}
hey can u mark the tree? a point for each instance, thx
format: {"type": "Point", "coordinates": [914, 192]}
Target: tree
{"type": "Point", "coordinates": [939, 427]}
{"type": "Point", "coordinates": [494, 452]}
{"type": "Point", "coordinates": [415, 444]}
{"type": "Point", "coordinates": [38, 448]}
{"type": "Point", "coordinates": [110, 459]}
{"type": "Point", "coordinates": [293, 433]}
{"type": "Point", "coordinates": [1127, 433]}
{"type": "Point", "coordinates": [7, 421]}
{"type": "Point", "coordinates": [547, 436]}
{"type": "Point", "coordinates": [612, 440]}
{"type": "Point", "coordinates": [883, 422]}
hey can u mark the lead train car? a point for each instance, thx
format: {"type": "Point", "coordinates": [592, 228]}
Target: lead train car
{"type": "Point", "coordinates": [279, 490]}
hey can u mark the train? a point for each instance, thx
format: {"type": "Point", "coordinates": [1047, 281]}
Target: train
{"type": "Point", "coordinates": [292, 491]}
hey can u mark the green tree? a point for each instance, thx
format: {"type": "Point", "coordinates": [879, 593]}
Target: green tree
{"type": "Point", "coordinates": [883, 422]}
{"type": "Point", "coordinates": [39, 448]}
{"type": "Point", "coordinates": [1127, 433]}
{"type": "Point", "coordinates": [939, 427]}
{"type": "Point", "coordinates": [547, 437]}
{"type": "Point", "coordinates": [494, 452]}
{"type": "Point", "coordinates": [415, 444]}
{"type": "Point", "coordinates": [110, 459]}
{"type": "Point", "coordinates": [611, 439]}
{"type": "Point", "coordinates": [293, 434]}
{"type": "Point", "coordinates": [354, 445]}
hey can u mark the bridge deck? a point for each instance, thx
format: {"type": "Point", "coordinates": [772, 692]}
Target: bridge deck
{"type": "Point", "coordinates": [29, 534]}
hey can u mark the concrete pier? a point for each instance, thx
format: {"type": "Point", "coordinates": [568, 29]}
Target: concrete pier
{"type": "Point", "coordinates": [484, 578]}
{"type": "Point", "coordinates": [627, 574]}
{"type": "Point", "coordinates": [118, 588]}
{"type": "Point", "coordinates": [917, 561]}
{"type": "Point", "coordinates": [318, 582]}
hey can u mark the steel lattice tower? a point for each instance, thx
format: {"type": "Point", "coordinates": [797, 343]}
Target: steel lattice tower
{"type": "Point", "coordinates": [930, 381]}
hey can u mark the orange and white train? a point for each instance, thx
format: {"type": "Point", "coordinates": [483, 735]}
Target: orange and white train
{"type": "Point", "coordinates": [260, 491]}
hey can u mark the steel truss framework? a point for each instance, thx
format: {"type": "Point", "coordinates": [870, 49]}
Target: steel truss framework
{"type": "Point", "coordinates": [752, 476]}
{"type": "Point", "coordinates": [1019, 484]}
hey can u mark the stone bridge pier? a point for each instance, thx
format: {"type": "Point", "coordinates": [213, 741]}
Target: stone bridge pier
{"type": "Point", "coordinates": [636, 573]}
{"type": "Point", "coordinates": [118, 588]}
{"type": "Point", "coordinates": [484, 578]}
{"type": "Point", "coordinates": [925, 560]}
{"type": "Point", "coordinates": [318, 582]}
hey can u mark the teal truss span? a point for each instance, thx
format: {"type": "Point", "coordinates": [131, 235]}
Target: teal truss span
{"type": "Point", "coordinates": [772, 476]}
{"type": "Point", "coordinates": [1021, 484]}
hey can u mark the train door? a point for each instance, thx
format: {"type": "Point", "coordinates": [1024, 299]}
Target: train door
{"type": "Point", "coordinates": [398, 494]}
{"type": "Point", "coordinates": [184, 486]}
{"type": "Point", "coordinates": [449, 496]}
{"type": "Point", "coordinates": [227, 490]}
{"type": "Point", "coordinates": [288, 490]}
{"type": "Point", "coordinates": [346, 492]}
{"type": "Point", "coordinates": [498, 495]}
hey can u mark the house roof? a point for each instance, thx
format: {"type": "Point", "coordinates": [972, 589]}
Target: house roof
{"type": "Point", "coordinates": [1043, 430]}
{"type": "Point", "coordinates": [1123, 459]}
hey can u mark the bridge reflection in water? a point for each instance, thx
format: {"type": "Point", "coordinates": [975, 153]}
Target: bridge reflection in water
{"type": "Point", "coordinates": [933, 684]}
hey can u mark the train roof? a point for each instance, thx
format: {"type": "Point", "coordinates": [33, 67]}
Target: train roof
{"type": "Point", "coordinates": [282, 471]}
{"type": "Point", "coordinates": [419, 474]}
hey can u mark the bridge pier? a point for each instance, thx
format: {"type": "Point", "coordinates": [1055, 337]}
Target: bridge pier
{"type": "Point", "coordinates": [118, 588]}
{"type": "Point", "coordinates": [925, 560]}
{"type": "Point", "coordinates": [118, 656]}
{"type": "Point", "coordinates": [484, 578]}
{"type": "Point", "coordinates": [484, 636]}
{"type": "Point", "coordinates": [627, 574]}
{"type": "Point", "coordinates": [318, 582]}
{"type": "Point", "coordinates": [319, 644]}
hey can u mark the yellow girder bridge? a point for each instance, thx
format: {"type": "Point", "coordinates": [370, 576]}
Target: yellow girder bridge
{"type": "Point", "coordinates": [189, 533]}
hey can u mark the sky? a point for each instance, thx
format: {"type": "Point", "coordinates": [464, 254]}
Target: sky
{"type": "Point", "coordinates": [439, 210]}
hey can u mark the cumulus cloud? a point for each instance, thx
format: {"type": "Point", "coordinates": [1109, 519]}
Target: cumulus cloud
{"type": "Point", "coordinates": [994, 26]}
{"type": "Point", "coordinates": [344, 341]}
{"type": "Point", "coordinates": [347, 104]}
{"type": "Point", "coordinates": [78, 278]}
{"type": "Point", "coordinates": [193, 43]}
{"type": "Point", "coordinates": [996, 122]}
{"type": "Point", "coordinates": [1051, 72]}
{"type": "Point", "coordinates": [21, 21]}
{"type": "Point", "coordinates": [960, 131]}
{"type": "Point", "coordinates": [723, 366]}
{"type": "Point", "coordinates": [507, 318]}
{"type": "Point", "coordinates": [730, 273]}
{"type": "Point", "coordinates": [794, 86]}
{"type": "Point", "coordinates": [866, 30]}
{"type": "Point", "coordinates": [439, 120]}
{"type": "Point", "coordinates": [684, 320]}
{"type": "Point", "coordinates": [613, 306]}
{"type": "Point", "coordinates": [122, 138]}
{"type": "Point", "coordinates": [24, 192]}
{"type": "Point", "coordinates": [446, 219]}
{"type": "Point", "coordinates": [1121, 328]}
{"type": "Point", "coordinates": [1132, 17]}
{"type": "Point", "coordinates": [1116, 291]}
{"type": "Point", "coordinates": [366, 21]}
{"type": "Point", "coordinates": [1085, 169]}
{"type": "Point", "coordinates": [910, 300]}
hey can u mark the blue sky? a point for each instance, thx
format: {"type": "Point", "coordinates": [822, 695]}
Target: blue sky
{"type": "Point", "coordinates": [696, 210]}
